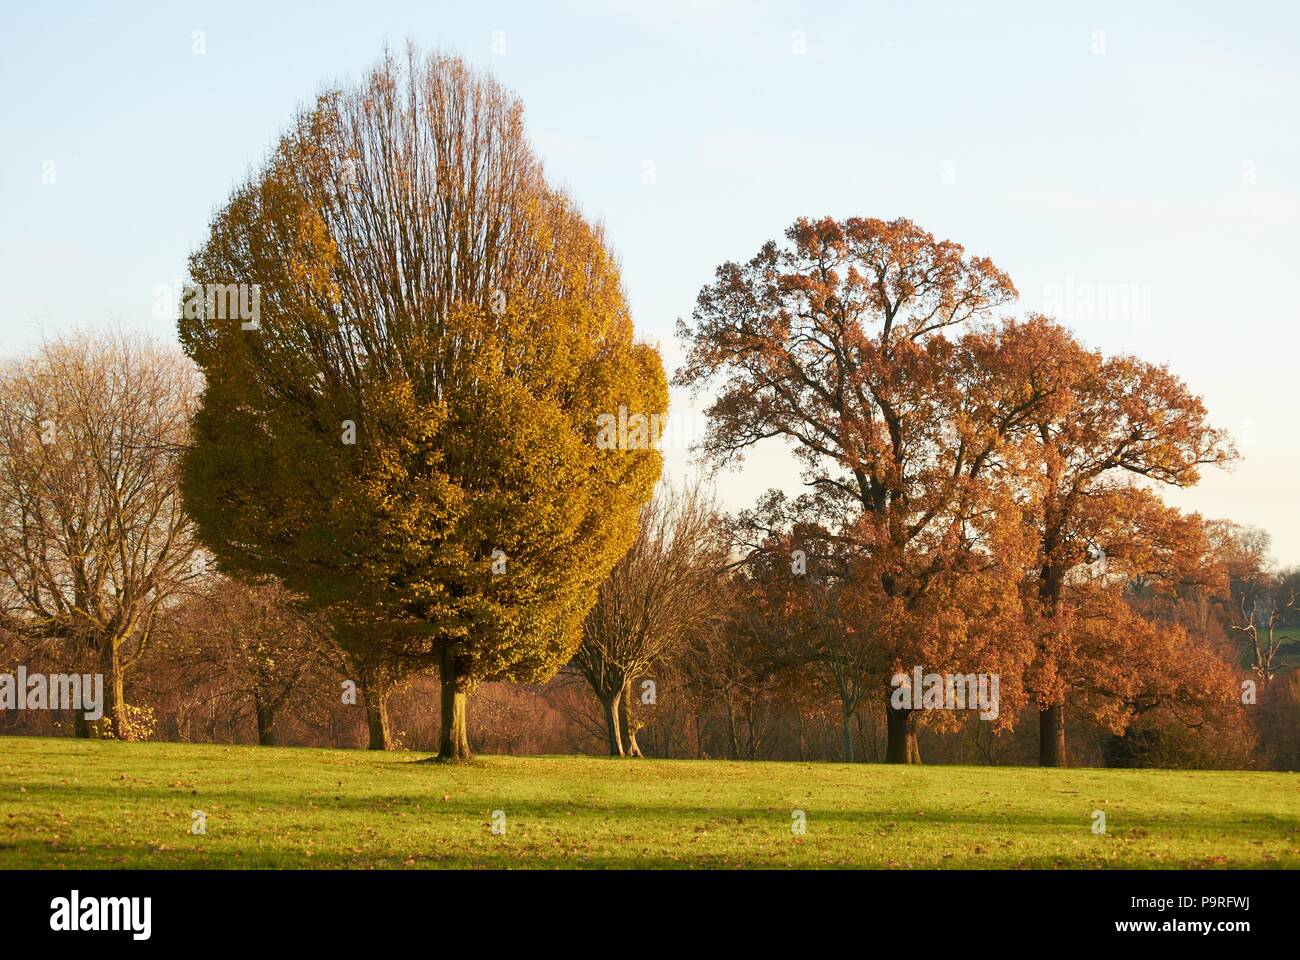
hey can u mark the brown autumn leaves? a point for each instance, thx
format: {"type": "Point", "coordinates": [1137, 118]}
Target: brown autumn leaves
{"type": "Point", "coordinates": [979, 491]}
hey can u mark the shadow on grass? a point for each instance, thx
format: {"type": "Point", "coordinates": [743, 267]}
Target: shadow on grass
{"type": "Point", "coordinates": [519, 856]}
{"type": "Point", "coordinates": [562, 810]}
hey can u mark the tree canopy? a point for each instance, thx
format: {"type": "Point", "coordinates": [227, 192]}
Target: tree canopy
{"type": "Point", "coordinates": [410, 426]}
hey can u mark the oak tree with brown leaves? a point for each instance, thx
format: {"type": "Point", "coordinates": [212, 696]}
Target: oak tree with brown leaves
{"type": "Point", "coordinates": [1106, 432]}
{"type": "Point", "coordinates": [838, 343]}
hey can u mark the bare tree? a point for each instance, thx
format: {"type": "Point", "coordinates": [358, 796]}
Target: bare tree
{"type": "Point", "coordinates": [728, 664]}
{"type": "Point", "coordinates": [252, 641]}
{"type": "Point", "coordinates": [93, 538]}
{"type": "Point", "coordinates": [1261, 600]}
{"type": "Point", "coordinates": [655, 595]}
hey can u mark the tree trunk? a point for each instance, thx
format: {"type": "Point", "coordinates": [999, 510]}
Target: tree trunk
{"type": "Point", "coordinates": [1051, 736]}
{"type": "Point", "coordinates": [902, 746]}
{"type": "Point", "coordinates": [611, 705]}
{"type": "Point", "coordinates": [732, 742]}
{"type": "Point", "coordinates": [80, 725]}
{"type": "Point", "coordinates": [376, 708]}
{"type": "Point", "coordinates": [454, 740]}
{"type": "Point", "coordinates": [626, 725]}
{"type": "Point", "coordinates": [110, 665]}
{"type": "Point", "coordinates": [863, 739]}
{"type": "Point", "coordinates": [848, 735]}
{"type": "Point", "coordinates": [265, 723]}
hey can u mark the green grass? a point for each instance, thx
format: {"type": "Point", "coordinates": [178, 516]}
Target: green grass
{"type": "Point", "coordinates": [69, 803]}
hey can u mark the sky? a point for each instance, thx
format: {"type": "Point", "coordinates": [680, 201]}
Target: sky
{"type": "Point", "coordinates": [1137, 172]}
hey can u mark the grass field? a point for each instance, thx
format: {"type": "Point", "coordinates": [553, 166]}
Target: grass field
{"type": "Point", "coordinates": [69, 803]}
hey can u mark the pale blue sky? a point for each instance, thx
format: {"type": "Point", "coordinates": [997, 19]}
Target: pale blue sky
{"type": "Point", "coordinates": [1138, 173]}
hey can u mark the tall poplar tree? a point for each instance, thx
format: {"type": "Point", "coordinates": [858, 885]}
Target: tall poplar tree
{"type": "Point", "coordinates": [408, 427]}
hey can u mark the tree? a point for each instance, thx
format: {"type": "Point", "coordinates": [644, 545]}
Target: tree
{"type": "Point", "coordinates": [661, 590]}
{"type": "Point", "coordinates": [93, 538]}
{"type": "Point", "coordinates": [1258, 611]}
{"type": "Point", "coordinates": [410, 429]}
{"type": "Point", "coordinates": [1103, 424]}
{"type": "Point", "coordinates": [728, 662]}
{"type": "Point", "coordinates": [251, 641]}
{"type": "Point", "coordinates": [1261, 600]}
{"type": "Point", "coordinates": [380, 675]}
{"type": "Point", "coordinates": [837, 343]}
{"type": "Point", "coordinates": [800, 595]}
{"type": "Point", "coordinates": [1146, 667]}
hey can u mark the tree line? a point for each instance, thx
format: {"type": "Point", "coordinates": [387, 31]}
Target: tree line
{"type": "Point", "coordinates": [392, 471]}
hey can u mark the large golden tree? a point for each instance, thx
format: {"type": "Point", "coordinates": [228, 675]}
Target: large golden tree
{"type": "Point", "coordinates": [407, 429]}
